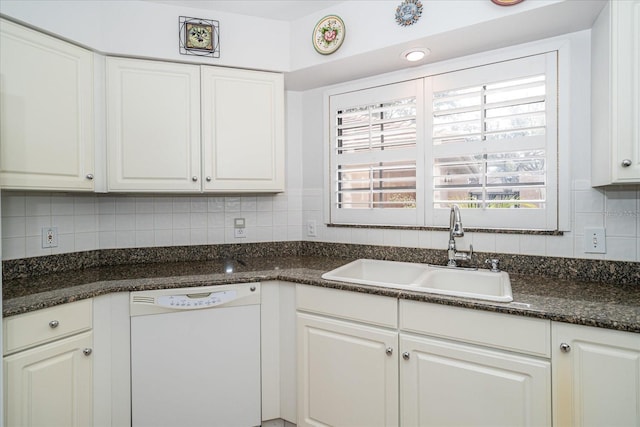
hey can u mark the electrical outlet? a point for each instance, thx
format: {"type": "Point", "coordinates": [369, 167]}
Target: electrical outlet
{"type": "Point", "coordinates": [595, 240]}
{"type": "Point", "coordinates": [239, 230]}
{"type": "Point", "coordinates": [311, 228]}
{"type": "Point", "coordinates": [49, 237]}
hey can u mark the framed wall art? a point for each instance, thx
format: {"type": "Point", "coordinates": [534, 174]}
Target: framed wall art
{"type": "Point", "coordinates": [199, 37]}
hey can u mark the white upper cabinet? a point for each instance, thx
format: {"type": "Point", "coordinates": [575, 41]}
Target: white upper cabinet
{"type": "Point", "coordinates": [155, 114]}
{"type": "Point", "coordinates": [47, 115]}
{"type": "Point", "coordinates": [153, 126]}
{"type": "Point", "coordinates": [242, 130]}
{"type": "Point", "coordinates": [615, 99]}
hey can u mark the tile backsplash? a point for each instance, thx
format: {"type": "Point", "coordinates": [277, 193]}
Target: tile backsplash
{"type": "Point", "coordinates": [87, 222]}
{"type": "Point", "coordinates": [97, 221]}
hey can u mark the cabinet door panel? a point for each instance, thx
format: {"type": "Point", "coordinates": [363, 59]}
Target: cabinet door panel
{"type": "Point", "coordinates": [449, 384]}
{"type": "Point", "coordinates": [47, 134]}
{"type": "Point", "coordinates": [50, 385]}
{"type": "Point", "coordinates": [153, 126]}
{"type": "Point", "coordinates": [243, 136]}
{"type": "Point", "coordinates": [346, 377]}
{"type": "Point", "coordinates": [597, 382]}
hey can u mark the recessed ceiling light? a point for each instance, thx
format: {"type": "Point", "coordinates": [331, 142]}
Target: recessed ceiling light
{"type": "Point", "coordinates": [415, 54]}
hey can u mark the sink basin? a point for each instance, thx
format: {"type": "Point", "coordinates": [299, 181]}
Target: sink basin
{"type": "Point", "coordinates": [378, 272]}
{"type": "Point", "coordinates": [478, 284]}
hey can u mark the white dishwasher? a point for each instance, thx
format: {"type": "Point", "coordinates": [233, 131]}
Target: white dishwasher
{"type": "Point", "coordinates": [195, 356]}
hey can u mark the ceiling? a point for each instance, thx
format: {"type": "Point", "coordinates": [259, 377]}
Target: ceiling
{"type": "Point", "coordinates": [283, 10]}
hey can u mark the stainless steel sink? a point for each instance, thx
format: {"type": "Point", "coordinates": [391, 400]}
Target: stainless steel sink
{"type": "Point", "coordinates": [478, 284]}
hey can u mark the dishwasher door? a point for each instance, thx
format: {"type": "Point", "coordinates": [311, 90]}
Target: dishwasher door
{"type": "Point", "coordinates": [195, 357]}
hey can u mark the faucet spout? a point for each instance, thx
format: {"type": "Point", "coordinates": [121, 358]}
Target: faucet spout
{"type": "Point", "coordinates": [456, 230]}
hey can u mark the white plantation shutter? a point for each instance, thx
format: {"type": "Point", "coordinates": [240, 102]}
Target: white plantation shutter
{"type": "Point", "coordinates": [494, 144]}
{"type": "Point", "coordinates": [376, 175]}
{"type": "Point", "coordinates": [484, 138]}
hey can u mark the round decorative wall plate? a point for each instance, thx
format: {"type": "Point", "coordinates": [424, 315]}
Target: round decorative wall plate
{"type": "Point", "coordinates": [328, 34]}
{"type": "Point", "coordinates": [506, 2]}
{"type": "Point", "coordinates": [408, 12]}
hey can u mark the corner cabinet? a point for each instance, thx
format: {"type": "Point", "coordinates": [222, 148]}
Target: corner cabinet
{"type": "Point", "coordinates": [187, 128]}
{"type": "Point", "coordinates": [615, 112]}
{"type": "Point", "coordinates": [596, 376]}
{"type": "Point", "coordinates": [47, 114]}
{"type": "Point", "coordinates": [48, 367]}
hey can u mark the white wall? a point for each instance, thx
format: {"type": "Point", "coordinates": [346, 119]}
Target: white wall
{"type": "Point", "coordinates": [617, 209]}
{"type": "Point", "coordinates": [142, 29]}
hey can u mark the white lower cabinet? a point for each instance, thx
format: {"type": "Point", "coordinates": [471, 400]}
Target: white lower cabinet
{"type": "Point", "coordinates": [347, 358]}
{"type": "Point", "coordinates": [432, 365]}
{"type": "Point", "coordinates": [48, 379]}
{"type": "Point", "coordinates": [596, 376]}
{"type": "Point", "coordinates": [349, 373]}
{"type": "Point", "coordinates": [444, 383]}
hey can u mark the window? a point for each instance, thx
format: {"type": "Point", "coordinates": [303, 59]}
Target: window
{"type": "Point", "coordinates": [484, 138]}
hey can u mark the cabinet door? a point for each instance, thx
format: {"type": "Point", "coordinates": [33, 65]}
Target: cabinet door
{"type": "Point", "coordinates": [346, 376]}
{"type": "Point", "coordinates": [50, 385]}
{"type": "Point", "coordinates": [447, 384]}
{"type": "Point", "coordinates": [47, 131]}
{"type": "Point", "coordinates": [615, 94]}
{"type": "Point", "coordinates": [243, 130]}
{"type": "Point", "coordinates": [596, 376]}
{"type": "Point", "coordinates": [153, 126]}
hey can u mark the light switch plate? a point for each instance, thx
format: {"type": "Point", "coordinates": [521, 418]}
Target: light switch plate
{"type": "Point", "coordinates": [595, 240]}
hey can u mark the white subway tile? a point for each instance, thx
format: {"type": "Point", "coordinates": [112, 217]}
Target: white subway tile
{"type": "Point", "coordinates": [264, 204]}
{"type": "Point", "coordinates": [14, 227]}
{"type": "Point", "coordinates": [144, 205]}
{"type": "Point", "coordinates": [125, 239]}
{"type": "Point", "coordinates": [64, 223]}
{"type": "Point", "coordinates": [589, 201]}
{"type": "Point", "coordinates": [198, 236]}
{"type": "Point", "coordinates": [163, 237]}
{"type": "Point", "coordinates": [126, 222]}
{"type": "Point", "coordinates": [264, 219]}
{"type": "Point", "coordinates": [85, 223]}
{"type": "Point", "coordinates": [66, 244]}
{"type": "Point", "coordinates": [180, 221]}
{"type": "Point", "coordinates": [144, 221]}
{"type": "Point", "coordinates": [505, 243]}
{"type": "Point", "coordinates": [13, 247]}
{"type": "Point", "coordinates": [33, 247]}
{"type": "Point", "coordinates": [181, 237]}
{"type": "Point", "coordinates": [162, 221]}
{"type": "Point", "coordinates": [61, 205]}
{"type": "Point", "coordinates": [248, 204]}
{"type": "Point", "coordinates": [409, 238]}
{"type": "Point", "coordinates": [162, 205]}
{"type": "Point", "coordinates": [532, 245]}
{"type": "Point", "coordinates": [86, 241]}
{"type": "Point", "coordinates": [38, 205]}
{"type": "Point", "coordinates": [181, 204]}
{"type": "Point", "coordinates": [232, 204]}
{"type": "Point", "coordinates": [106, 205]}
{"type": "Point", "coordinates": [215, 235]}
{"type": "Point", "coordinates": [198, 220]}
{"type": "Point", "coordinates": [215, 219]}
{"type": "Point", "coordinates": [621, 249]}
{"type": "Point", "coordinates": [125, 205]}
{"type": "Point", "coordinates": [84, 205]}
{"type": "Point", "coordinates": [560, 246]}
{"type": "Point", "coordinates": [145, 238]}
{"type": "Point", "coordinates": [199, 204]}
{"type": "Point", "coordinates": [34, 225]}
{"type": "Point", "coordinates": [13, 204]}
{"type": "Point", "coordinates": [215, 204]}
{"type": "Point", "coordinates": [107, 239]}
{"type": "Point", "coordinates": [107, 222]}
{"type": "Point", "coordinates": [484, 242]}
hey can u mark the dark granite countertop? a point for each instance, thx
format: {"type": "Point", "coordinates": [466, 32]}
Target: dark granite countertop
{"type": "Point", "coordinates": [586, 303]}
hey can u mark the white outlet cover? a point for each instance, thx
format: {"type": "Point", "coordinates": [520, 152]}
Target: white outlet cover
{"type": "Point", "coordinates": [240, 233]}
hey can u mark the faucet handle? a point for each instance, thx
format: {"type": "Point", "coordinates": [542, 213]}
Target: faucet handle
{"type": "Point", "coordinates": [494, 264]}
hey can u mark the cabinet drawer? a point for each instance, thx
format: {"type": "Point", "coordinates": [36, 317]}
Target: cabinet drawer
{"type": "Point", "coordinates": [504, 331]}
{"type": "Point", "coordinates": [372, 309]}
{"type": "Point", "coordinates": [30, 329]}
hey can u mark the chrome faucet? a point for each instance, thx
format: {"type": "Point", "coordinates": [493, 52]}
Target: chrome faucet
{"type": "Point", "coordinates": [456, 230]}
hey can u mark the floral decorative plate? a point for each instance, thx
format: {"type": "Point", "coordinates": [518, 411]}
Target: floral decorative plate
{"type": "Point", "coordinates": [328, 34]}
{"type": "Point", "coordinates": [408, 12]}
{"type": "Point", "coordinates": [506, 2]}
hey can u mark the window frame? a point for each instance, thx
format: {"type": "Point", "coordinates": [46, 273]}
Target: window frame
{"type": "Point", "coordinates": [560, 45]}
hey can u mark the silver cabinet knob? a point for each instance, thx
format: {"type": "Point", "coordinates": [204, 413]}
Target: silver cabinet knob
{"type": "Point", "coordinates": [87, 351]}
{"type": "Point", "coordinates": [389, 351]}
{"type": "Point", "coordinates": [252, 288]}
{"type": "Point", "coordinates": [565, 348]}
{"type": "Point", "coordinates": [208, 179]}
{"type": "Point", "coordinates": [626, 163]}
{"type": "Point", "coordinates": [194, 178]}
{"type": "Point", "coordinates": [406, 355]}
{"type": "Point", "coordinates": [53, 324]}
{"type": "Point", "coordinates": [89, 176]}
